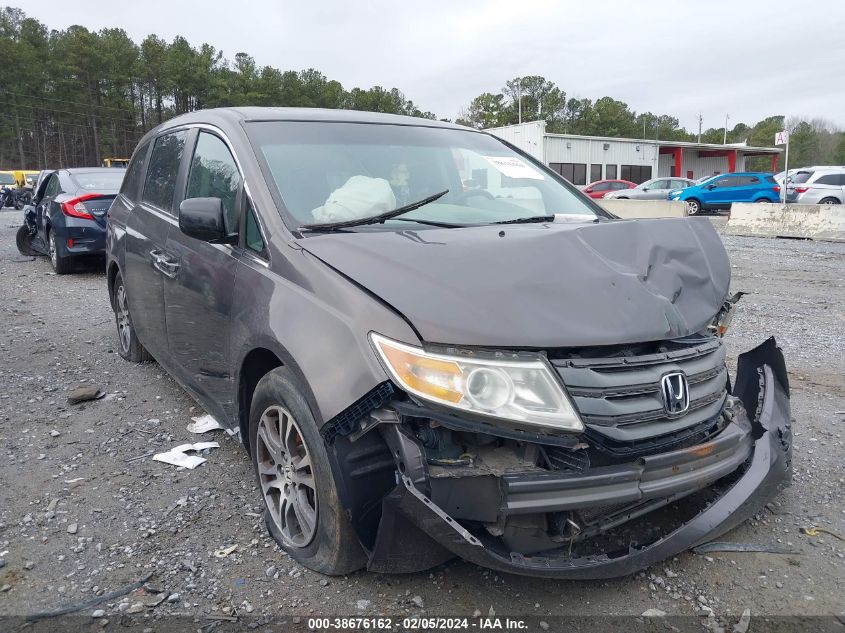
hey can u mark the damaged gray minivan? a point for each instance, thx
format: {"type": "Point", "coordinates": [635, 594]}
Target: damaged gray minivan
{"type": "Point", "coordinates": [433, 346]}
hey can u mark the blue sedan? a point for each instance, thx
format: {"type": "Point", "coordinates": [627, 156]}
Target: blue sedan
{"type": "Point", "coordinates": [719, 192]}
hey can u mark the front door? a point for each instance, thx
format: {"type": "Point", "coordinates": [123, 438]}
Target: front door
{"type": "Point", "coordinates": [147, 228]}
{"type": "Point", "coordinates": [198, 298]}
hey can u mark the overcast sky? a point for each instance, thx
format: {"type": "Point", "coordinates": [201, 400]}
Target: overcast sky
{"type": "Point", "coordinates": [750, 59]}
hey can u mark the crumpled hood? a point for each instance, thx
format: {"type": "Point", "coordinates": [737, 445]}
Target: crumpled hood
{"type": "Point", "coordinates": [541, 285]}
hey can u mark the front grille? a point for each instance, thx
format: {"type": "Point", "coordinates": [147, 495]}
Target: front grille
{"type": "Point", "coordinates": [619, 396]}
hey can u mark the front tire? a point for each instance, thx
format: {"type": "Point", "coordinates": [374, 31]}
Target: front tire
{"type": "Point", "coordinates": [23, 239]}
{"type": "Point", "coordinates": [62, 265]}
{"type": "Point", "coordinates": [128, 345]}
{"type": "Point", "coordinates": [693, 207]}
{"type": "Point", "coordinates": [302, 508]}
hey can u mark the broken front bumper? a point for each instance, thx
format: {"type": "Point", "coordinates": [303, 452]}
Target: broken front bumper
{"type": "Point", "coordinates": [414, 533]}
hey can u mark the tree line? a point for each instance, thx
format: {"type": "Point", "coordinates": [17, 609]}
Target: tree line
{"type": "Point", "coordinates": [73, 97]}
{"type": "Point", "coordinates": [813, 141]}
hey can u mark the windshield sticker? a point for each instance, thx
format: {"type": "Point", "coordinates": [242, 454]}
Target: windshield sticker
{"type": "Point", "coordinates": [513, 167]}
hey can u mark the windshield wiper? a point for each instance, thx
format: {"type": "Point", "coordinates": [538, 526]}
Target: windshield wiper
{"type": "Point", "coordinates": [528, 220]}
{"type": "Point", "coordinates": [375, 219]}
{"type": "Point", "coordinates": [444, 225]}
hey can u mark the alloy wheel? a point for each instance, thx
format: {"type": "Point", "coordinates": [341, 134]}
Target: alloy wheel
{"type": "Point", "coordinates": [286, 476]}
{"type": "Point", "coordinates": [124, 327]}
{"type": "Point", "coordinates": [692, 208]}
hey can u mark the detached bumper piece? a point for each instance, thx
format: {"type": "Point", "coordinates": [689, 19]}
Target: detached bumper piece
{"type": "Point", "coordinates": [746, 464]}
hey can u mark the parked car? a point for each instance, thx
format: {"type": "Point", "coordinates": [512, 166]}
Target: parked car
{"type": "Point", "coordinates": [600, 188]}
{"type": "Point", "coordinates": [8, 190]}
{"type": "Point", "coordinates": [421, 371]}
{"type": "Point", "coordinates": [817, 186]}
{"type": "Point", "coordinates": [654, 189]}
{"type": "Point", "coordinates": [719, 192]}
{"type": "Point", "coordinates": [68, 214]}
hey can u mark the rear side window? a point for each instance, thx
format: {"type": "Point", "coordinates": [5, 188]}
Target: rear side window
{"type": "Point", "coordinates": [52, 187]}
{"type": "Point", "coordinates": [802, 176]}
{"type": "Point", "coordinates": [214, 174]}
{"type": "Point", "coordinates": [749, 180]}
{"type": "Point", "coordinates": [160, 184]}
{"type": "Point", "coordinates": [771, 179]}
{"type": "Point", "coordinates": [830, 179]}
{"type": "Point", "coordinates": [132, 180]}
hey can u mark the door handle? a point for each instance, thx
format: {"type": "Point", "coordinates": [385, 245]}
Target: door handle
{"type": "Point", "coordinates": [164, 264]}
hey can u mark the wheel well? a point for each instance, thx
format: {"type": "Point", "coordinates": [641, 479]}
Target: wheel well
{"type": "Point", "coordinates": [111, 276]}
{"type": "Point", "coordinates": [838, 201]}
{"type": "Point", "coordinates": [255, 366]}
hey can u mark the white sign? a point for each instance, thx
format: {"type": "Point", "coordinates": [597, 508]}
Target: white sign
{"type": "Point", "coordinates": [513, 167]}
{"type": "Point", "coordinates": [782, 138]}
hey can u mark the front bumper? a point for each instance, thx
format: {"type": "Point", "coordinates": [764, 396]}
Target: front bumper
{"type": "Point", "coordinates": [411, 520]}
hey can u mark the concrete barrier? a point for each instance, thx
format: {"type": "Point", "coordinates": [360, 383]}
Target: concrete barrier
{"type": "Point", "coordinates": [645, 208]}
{"type": "Point", "coordinates": [810, 221]}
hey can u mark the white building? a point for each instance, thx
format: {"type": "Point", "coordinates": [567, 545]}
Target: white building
{"type": "Point", "coordinates": [585, 159]}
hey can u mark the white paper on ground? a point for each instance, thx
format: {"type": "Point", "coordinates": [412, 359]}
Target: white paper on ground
{"type": "Point", "coordinates": [204, 424]}
{"type": "Point", "coordinates": [177, 455]}
{"type": "Point", "coordinates": [514, 167]}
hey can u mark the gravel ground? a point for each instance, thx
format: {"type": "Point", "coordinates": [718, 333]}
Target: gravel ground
{"type": "Point", "coordinates": [84, 510]}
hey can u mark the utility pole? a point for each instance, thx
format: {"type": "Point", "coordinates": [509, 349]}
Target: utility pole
{"type": "Point", "coordinates": [725, 140]}
{"type": "Point", "coordinates": [520, 98]}
{"type": "Point", "coordinates": [700, 121]}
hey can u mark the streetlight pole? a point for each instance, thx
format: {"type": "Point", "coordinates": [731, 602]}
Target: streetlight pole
{"type": "Point", "coordinates": [725, 140]}
{"type": "Point", "coordinates": [520, 98]}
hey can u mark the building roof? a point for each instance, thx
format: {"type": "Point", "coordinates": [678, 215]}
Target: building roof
{"type": "Point", "coordinates": [683, 144]}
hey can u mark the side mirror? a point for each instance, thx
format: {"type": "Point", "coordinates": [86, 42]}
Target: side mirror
{"type": "Point", "coordinates": [710, 187]}
{"type": "Point", "coordinates": [645, 188]}
{"type": "Point", "coordinates": [202, 219]}
{"type": "Point", "coordinates": [588, 190]}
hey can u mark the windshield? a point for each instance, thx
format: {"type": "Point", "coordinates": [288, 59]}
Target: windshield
{"type": "Point", "coordinates": [7, 179]}
{"type": "Point", "coordinates": [328, 172]}
{"type": "Point", "coordinates": [102, 181]}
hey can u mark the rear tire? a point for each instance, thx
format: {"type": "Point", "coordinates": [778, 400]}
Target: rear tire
{"type": "Point", "coordinates": [23, 240]}
{"type": "Point", "coordinates": [829, 201]}
{"type": "Point", "coordinates": [693, 206]}
{"type": "Point", "coordinates": [128, 345]}
{"type": "Point", "coordinates": [62, 265]}
{"type": "Point", "coordinates": [302, 508]}
{"type": "Point", "coordinates": [765, 200]}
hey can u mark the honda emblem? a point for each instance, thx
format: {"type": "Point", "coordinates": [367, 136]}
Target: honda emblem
{"type": "Point", "coordinates": [675, 391]}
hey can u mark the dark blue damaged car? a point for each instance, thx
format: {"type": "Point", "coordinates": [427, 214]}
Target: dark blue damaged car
{"type": "Point", "coordinates": [432, 346]}
{"type": "Point", "coordinates": [67, 217]}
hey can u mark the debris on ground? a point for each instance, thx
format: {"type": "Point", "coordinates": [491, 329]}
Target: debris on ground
{"type": "Point", "coordinates": [223, 552]}
{"type": "Point", "coordinates": [744, 622]}
{"type": "Point", "coordinates": [722, 546]}
{"type": "Point", "coordinates": [204, 424]}
{"type": "Point", "coordinates": [84, 394]}
{"type": "Point", "coordinates": [178, 456]}
{"type": "Point", "coordinates": [814, 531]}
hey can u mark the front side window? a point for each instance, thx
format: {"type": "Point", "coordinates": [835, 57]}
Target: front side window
{"type": "Point", "coordinates": [727, 181]}
{"type": "Point", "coordinates": [214, 174]}
{"type": "Point", "coordinates": [253, 239]}
{"type": "Point", "coordinates": [326, 172]}
{"type": "Point", "coordinates": [160, 185]}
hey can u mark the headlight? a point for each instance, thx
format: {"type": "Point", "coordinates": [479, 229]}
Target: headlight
{"type": "Point", "coordinates": [521, 389]}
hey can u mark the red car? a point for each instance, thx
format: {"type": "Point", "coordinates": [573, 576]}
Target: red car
{"type": "Point", "coordinates": [598, 188]}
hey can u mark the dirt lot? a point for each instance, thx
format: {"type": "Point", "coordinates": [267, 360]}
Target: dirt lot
{"type": "Point", "coordinates": [84, 513]}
